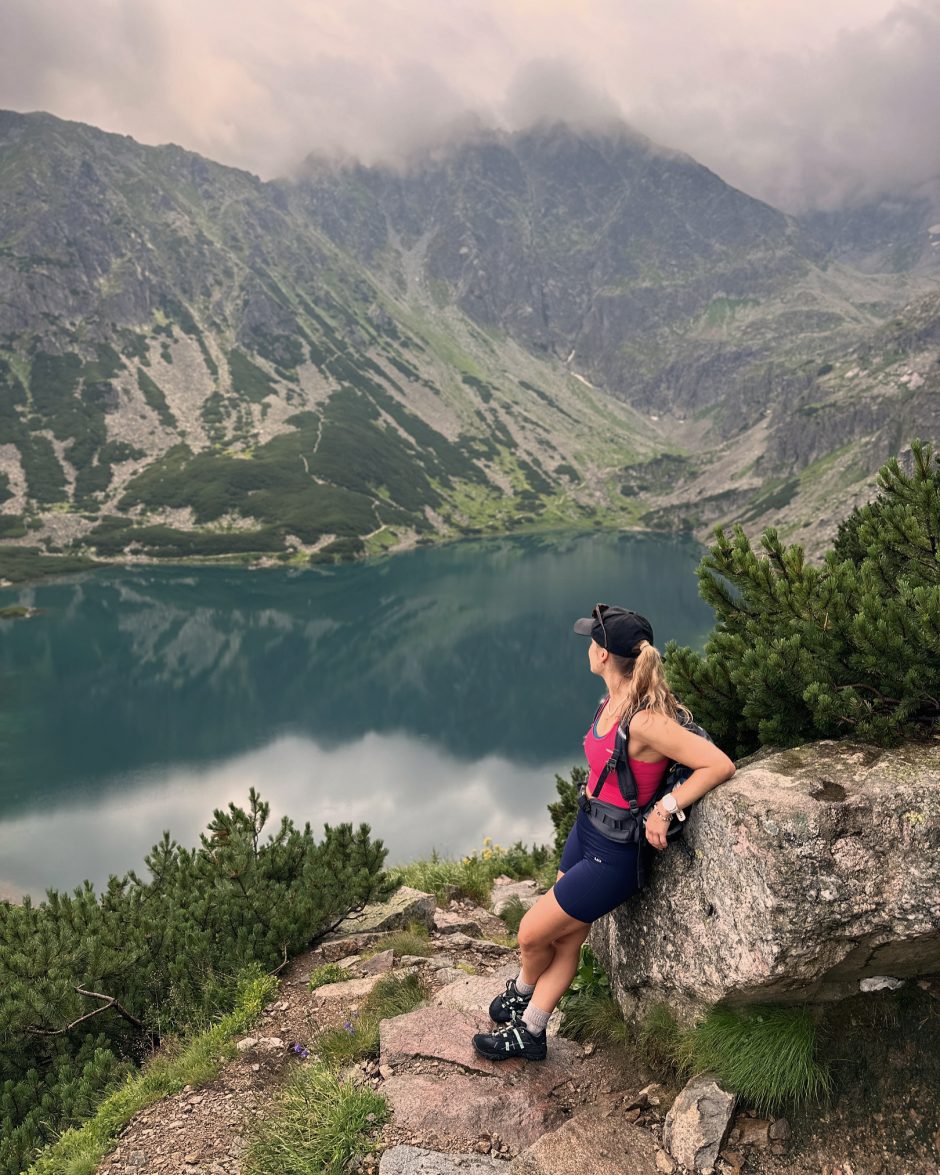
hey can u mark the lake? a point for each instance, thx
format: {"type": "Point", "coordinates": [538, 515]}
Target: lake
{"type": "Point", "coordinates": [432, 694]}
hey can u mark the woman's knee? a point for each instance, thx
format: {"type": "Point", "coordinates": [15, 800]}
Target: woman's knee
{"type": "Point", "coordinates": [572, 942]}
{"type": "Point", "coordinates": [533, 934]}
{"type": "Point", "coordinates": [529, 938]}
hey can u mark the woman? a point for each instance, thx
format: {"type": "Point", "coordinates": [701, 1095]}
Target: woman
{"type": "Point", "coordinates": [597, 874]}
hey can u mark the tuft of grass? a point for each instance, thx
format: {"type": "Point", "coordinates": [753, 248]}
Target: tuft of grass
{"type": "Point", "coordinates": [79, 1150]}
{"type": "Point", "coordinates": [469, 878]}
{"type": "Point", "coordinates": [413, 939]}
{"type": "Point", "coordinates": [589, 1010]}
{"type": "Point", "coordinates": [327, 973]}
{"type": "Point", "coordinates": [766, 1055]}
{"type": "Point", "coordinates": [358, 1037]}
{"type": "Point", "coordinates": [512, 914]}
{"type": "Point", "coordinates": [320, 1123]}
{"type": "Point", "coordinates": [595, 1016]}
{"type": "Point", "coordinates": [658, 1037]}
{"type": "Point", "coordinates": [473, 876]}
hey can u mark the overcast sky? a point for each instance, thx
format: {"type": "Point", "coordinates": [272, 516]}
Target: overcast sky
{"type": "Point", "coordinates": [801, 102]}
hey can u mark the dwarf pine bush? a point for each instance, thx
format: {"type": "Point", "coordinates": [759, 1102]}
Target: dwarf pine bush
{"type": "Point", "coordinates": [850, 648]}
{"type": "Point", "coordinates": [90, 983]}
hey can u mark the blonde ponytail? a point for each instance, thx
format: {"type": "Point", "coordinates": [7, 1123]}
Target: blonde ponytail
{"type": "Point", "coordinates": [647, 688]}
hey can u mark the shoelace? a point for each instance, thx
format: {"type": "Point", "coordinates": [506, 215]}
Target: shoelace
{"type": "Point", "coordinates": [513, 995]}
{"type": "Point", "coordinates": [511, 1030]}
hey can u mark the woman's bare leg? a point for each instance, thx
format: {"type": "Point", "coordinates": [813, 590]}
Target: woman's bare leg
{"type": "Point", "coordinates": [544, 932]}
{"type": "Point", "coordinates": [556, 978]}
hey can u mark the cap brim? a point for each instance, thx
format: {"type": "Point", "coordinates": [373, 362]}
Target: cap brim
{"type": "Point", "coordinates": [584, 626]}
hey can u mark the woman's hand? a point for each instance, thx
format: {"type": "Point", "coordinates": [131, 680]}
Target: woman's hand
{"type": "Point", "coordinates": [656, 826]}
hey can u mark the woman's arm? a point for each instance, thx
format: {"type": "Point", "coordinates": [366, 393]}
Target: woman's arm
{"type": "Point", "coordinates": [710, 765]}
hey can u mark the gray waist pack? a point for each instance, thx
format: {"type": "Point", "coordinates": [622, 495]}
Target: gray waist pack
{"type": "Point", "coordinates": [616, 823]}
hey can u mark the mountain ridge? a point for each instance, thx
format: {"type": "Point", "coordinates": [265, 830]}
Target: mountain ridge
{"type": "Point", "coordinates": [194, 360]}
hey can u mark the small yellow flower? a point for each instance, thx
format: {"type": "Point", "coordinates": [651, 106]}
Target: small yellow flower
{"type": "Point", "coordinates": [487, 841]}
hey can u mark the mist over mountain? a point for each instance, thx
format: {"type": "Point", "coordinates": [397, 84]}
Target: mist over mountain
{"type": "Point", "coordinates": [553, 326]}
{"type": "Point", "coordinates": [808, 106]}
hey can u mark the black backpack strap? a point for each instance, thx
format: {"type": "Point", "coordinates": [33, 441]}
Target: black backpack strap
{"type": "Point", "coordinates": [625, 778]}
{"type": "Point", "coordinates": [619, 761]}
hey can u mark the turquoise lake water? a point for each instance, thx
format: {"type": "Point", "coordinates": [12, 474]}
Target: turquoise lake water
{"type": "Point", "coordinates": [432, 694]}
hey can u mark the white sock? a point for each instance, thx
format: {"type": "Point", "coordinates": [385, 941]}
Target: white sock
{"type": "Point", "coordinates": [522, 987]}
{"type": "Point", "coordinates": [535, 1019]}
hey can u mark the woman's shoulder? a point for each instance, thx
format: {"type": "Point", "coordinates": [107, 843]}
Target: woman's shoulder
{"type": "Point", "coordinates": [647, 719]}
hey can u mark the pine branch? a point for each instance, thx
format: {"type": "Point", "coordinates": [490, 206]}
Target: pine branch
{"type": "Point", "coordinates": [280, 967]}
{"type": "Point", "coordinates": [871, 689]}
{"type": "Point", "coordinates": [111, 1002]}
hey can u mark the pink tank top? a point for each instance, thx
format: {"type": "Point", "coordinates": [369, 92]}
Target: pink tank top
{"type": "Point", "coordinates": [598, 749]}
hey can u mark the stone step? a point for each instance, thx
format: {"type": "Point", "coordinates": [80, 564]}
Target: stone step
{"type": "Point", "coordinates": [598, 1141]}
{"type": "Point", "coordinates": [416, 1160]}
{"type": "Point", "coordinates": [464, 1095]}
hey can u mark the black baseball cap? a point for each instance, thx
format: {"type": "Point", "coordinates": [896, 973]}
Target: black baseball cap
{"type": "Point", "coordinates": [615, 629]}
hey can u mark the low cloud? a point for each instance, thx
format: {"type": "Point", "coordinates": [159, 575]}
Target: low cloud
{"type": "Point", "coordinates": [802, 104]}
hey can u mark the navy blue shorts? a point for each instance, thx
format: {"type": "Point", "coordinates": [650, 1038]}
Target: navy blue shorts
{"type": "Point", "coordinates": [599, 874]}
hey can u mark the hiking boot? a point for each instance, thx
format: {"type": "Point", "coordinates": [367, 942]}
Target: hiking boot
{"type": "Point", "coordinates": [509, 1005]}
{"type": "Point", "coordinates": [513, 1040]}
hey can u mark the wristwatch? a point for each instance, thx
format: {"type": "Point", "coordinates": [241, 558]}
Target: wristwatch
{"type": "Point", "coordinates": [669, 803]}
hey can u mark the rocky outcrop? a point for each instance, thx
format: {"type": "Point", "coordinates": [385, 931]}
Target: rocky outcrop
{"type": "Point", "coordinates": [405, 906]}
{"type": "Point", "coordinates": [586, 1109]}
{"type": "Point", "coordinates": [505, 891]}
{"type": "Point", "coordinates": [813, 869]}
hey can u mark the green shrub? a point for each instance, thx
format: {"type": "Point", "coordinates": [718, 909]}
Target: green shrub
{"type": "Point", "coordinates": [53, 380]}
{"type": "Point", "coordinates": [167, 950]}
{"type": "Point", "coordinates": [766, 1055]}
{"type": "Point", "coordinates": [155, 399]}
{"type": "Point", "coordinates": [45, 477]}
{"type": "Point", "coordinates": [564, 811]}
{"type": "Point", "coordinates": [21, 564]}
{"type": "Point", "coordinates": [319, 1124]}
{"type": "Point", "coordinates": [192, 1061]}
{"type": "Point", "coordinates": [248, 379]}
{"type": "Point", "coordinates": [850, 648]}
{"type": "Point", "coordinates": [11, 526]}
{"type": "Point", "coordinates": [167, 542]}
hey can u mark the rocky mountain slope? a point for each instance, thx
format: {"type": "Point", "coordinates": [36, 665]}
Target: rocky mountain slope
{"type": "Point", "coordinates": [545, 328]}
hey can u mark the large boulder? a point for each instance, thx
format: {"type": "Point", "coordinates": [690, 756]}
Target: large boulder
{"type": "Point", "coordinates": [813, 869]}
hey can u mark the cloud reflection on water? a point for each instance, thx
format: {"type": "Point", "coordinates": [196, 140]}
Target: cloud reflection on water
{"type": "Point", "coordinates": [415, 796]}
